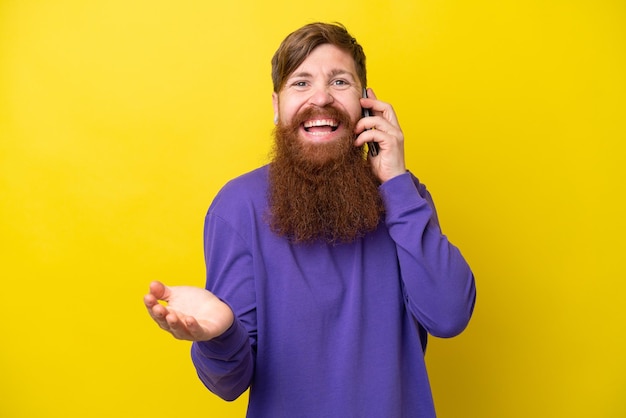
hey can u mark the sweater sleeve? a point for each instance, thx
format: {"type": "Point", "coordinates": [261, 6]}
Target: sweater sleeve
{"type": "Point", "coordinates": [226, 364]}
{"type": "Point", "coordinates": [438, 284]}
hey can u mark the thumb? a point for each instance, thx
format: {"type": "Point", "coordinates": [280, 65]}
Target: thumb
{"type": "Point", "coordinates": [160, 291]}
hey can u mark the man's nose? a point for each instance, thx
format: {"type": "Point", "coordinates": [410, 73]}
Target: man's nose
{"type": "Point", "coordinates": [321, 96]}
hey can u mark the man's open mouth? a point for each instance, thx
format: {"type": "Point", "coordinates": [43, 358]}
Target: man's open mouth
{"type": "Point", "coordinates": [320, 126]}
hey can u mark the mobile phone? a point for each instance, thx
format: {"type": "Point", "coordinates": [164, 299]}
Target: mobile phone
{"type": "Point", "coordinates": [372, 147]}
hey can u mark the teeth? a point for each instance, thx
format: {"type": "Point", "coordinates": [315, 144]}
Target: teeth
{"type": "Point", "coordinates": [320, 122]}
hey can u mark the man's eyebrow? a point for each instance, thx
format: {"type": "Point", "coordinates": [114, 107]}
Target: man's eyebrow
{"type": "Point", "coordinates": [333, 73]}
{"type": "Point", "coordinates": [301, 74]}
{"type": "Point", "coordinates": [339, 71]}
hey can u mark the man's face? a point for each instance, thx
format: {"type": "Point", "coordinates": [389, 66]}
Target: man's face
{"type": "Point", "coordinates": [326, 79]}
{"type": "Point", "coordinates": [321, 186]}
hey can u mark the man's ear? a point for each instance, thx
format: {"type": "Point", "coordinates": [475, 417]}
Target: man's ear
{"type": "Point", "coordinates": [275, 105]}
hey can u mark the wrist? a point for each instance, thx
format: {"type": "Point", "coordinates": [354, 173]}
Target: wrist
{"type": "Point", "coordinates": [392, 174]}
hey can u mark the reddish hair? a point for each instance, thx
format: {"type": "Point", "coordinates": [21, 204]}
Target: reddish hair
{"type": "Point", "coordinates": [297, 46]}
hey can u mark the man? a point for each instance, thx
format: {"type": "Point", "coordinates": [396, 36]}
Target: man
{"type": "Point", "coordinates": [325, 269]}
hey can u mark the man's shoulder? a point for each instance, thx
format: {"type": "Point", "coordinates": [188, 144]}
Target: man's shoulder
{"type": "Point", "coordinates": [250, 183]}
{"type": "Point", "coordinates": [249, 189]}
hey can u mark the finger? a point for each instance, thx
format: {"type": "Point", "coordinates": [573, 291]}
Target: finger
{"type": "Point", "coordinates": [375, 129]}
{"type": "Point", "coordinates": [183, 327]}
{"type": "Point", "coordinates": [157, 311]}
{"type": "Point", "coordinates": [371, 135]}
{"type": "Point", "coordinates": [375, 122]}
{"type": "Point", "coordinates": [369, 101]}
{"type": "Point", "coordinates": [149, 300]}
{"type": "Point", "coordinates": [159, 314]}
{"type": "Point", "coordinates": [160, 291]}
{"type": "Point", "coordinates": [173, 321]}
{"type": "Point", "coordinates": [379, 108]}
{"type": "Point", "coordinates": [195, 330]}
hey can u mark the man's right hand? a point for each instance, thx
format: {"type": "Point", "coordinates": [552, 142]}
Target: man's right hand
{"type": "Point", "coordinates": [191, 313]}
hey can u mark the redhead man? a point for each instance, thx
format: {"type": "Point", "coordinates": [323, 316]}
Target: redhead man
{"type": "Point", "coordinates": [327, 268]}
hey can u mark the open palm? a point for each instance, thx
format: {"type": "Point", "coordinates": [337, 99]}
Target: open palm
{"type": "Point", "coordinates": [190, 313]}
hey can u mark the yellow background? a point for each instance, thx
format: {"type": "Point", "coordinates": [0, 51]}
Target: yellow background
{"type": "Point", "coordinates": [120, 120]}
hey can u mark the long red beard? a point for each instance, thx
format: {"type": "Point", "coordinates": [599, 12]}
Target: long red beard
{"type": "Point", "coordinates": [322, 191]}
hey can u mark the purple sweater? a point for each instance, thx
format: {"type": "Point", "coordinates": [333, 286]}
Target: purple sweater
{"type": "Point", "coordinates": [330, 330]}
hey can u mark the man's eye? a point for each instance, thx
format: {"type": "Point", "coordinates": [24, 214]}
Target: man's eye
{"type": "Point", "coordinates": [340, 83]}
{"type": "Point", "coordinates": [299, 84]}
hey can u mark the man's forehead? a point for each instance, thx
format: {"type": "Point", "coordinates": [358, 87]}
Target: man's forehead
{"type": "Point", "coordinates": [328, 59]}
